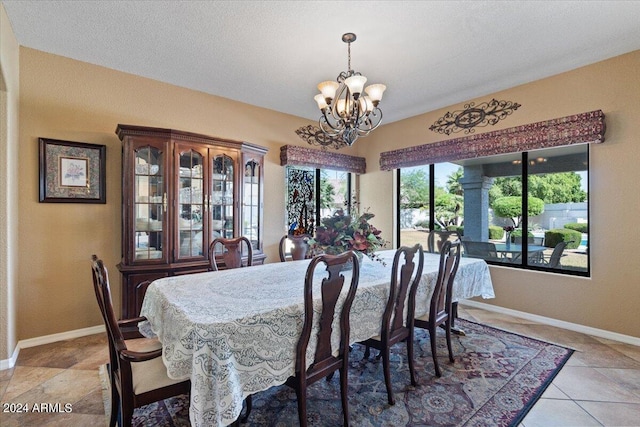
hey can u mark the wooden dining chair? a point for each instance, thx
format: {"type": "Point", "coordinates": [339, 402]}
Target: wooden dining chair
{"type": "Point", "coordinates": [299, 247]}
{"type": "Point", "coordinates": [324, 362]}
{"type": "Point", "coordinates": [440, 306]}
{"type": "Point", "coordinates": [137, 373]}
{"type": "Point", "coordinates": [231, 252]}
{"type": "Point", "coordinates": [405, 276]}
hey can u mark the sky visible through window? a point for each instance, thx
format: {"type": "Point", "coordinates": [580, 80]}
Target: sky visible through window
{"type": "Point", "coordinates": [443, 170]}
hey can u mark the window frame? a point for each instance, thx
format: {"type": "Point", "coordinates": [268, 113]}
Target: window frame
{"type": "Point", "coordinates": [524, 222]}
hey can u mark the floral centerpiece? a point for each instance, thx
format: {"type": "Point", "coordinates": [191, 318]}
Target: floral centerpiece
{"type": "Point", "coordinates": [342, 232]}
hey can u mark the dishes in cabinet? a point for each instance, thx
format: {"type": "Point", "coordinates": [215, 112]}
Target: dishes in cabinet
{"type": "Point", "coordinates": [187, 224]}
{"type": "Point", "coordinates": [148, 254]}
{"type": "Point", "coordinates": [144, 224]}
{"type": "Point", "coordinates": [146, 169]}
{"type": "Point", "coordinates": [217, 224]}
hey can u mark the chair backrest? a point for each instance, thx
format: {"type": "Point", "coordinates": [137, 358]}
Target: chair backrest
{"type": "Point", "coordinates": [441, 299]}
{"type": "Point", "coordinates": [332, 285]}
{"type": "Point", "coordinates": [405, 276]}
{"type": "Point", "coordinates": [103, 295]}
{"type": "Point", "coordinates": [299, 247]}
{"type": "Point", "coordinates": [486, 250]}
{"type": "Point", "coordinates": [437, 238]}
{"type": "Point", "coordinates": [554, 258]}
{"type": "Point", "coordinates": [231, 252]}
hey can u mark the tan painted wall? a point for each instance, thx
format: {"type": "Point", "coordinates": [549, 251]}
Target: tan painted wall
{"type": "Point", "coordinates": [9, 111]}
{"type": "Point", "coordinates": [610, 299]}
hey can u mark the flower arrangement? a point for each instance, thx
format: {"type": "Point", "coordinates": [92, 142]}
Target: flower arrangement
{"type": "Point", "coordinates": [342, 232]}
{"type": "Point", "coordinates": [508, 229]}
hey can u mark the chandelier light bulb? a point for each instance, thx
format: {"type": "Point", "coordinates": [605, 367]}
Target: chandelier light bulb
{"type": "Point", "coordinates": [320, 99]}
{"type": "Point", "coordinates": [375, 92]}
{"type": "Point", "coordinates": [328, 90]}
{"type": "Point", "coordinates": [355, 85]}
{"type": "Point", "coordinates": [342, 107]}
{"type": "Point", "coordinates": [366, 104]}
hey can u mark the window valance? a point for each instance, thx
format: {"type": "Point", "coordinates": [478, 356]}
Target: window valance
{"type": "Point", "coordinates": [580, 128]}
{"type": "Point", "coordinates": [302, 156]}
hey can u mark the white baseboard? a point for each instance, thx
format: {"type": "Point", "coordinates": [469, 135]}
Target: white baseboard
{"type": "Point", "coordinates": [48, 339]}
{"type": "Point", "coordinates": [614, 336]}
{"type": "Point", "coordinates": [10, 363]}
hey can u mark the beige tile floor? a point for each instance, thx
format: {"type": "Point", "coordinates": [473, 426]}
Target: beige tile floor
{"type": "Point", "coordinates": [599, 385]}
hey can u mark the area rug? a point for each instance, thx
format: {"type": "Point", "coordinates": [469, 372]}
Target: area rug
{"type": "Point", "coordinates": [496, 378]}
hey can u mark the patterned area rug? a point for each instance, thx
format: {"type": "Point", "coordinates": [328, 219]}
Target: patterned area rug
{"type": "Point", "coordinates": [496, 379]}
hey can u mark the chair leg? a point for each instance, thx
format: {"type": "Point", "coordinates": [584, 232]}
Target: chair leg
{"type": "Point", "coordinates": [344, 388]}
{"type": "Point", "coordinates": [115, 398]}
{"type": "Point", "coordinates": [115, 406]}
{"type": "Point", "coordinates": [387, 374]}
{"type": "Point", "coordinates": [412, 371]}
{"type": "Point", "coordinates": [448, 334]}
{"type": "Point", "coordinates": [126, 413]}
{"type": "Point", "coordinates": [432, 338]}
{"type": "Point", "coordinates": [301, 393]}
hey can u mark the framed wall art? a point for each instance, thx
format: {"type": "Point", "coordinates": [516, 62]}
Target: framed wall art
{"type": "Point", "coordinates": [72, 172]}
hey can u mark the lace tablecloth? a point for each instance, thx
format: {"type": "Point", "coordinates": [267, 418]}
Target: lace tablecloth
{"type": "Point", "coordinates": [234, 332]}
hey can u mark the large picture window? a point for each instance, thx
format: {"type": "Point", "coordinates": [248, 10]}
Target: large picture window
{"type": "Point", "coordinates": [491, 201]}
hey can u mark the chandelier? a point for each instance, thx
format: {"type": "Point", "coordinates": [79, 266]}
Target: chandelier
{"type": "Point", "coordinates": [346, 112]}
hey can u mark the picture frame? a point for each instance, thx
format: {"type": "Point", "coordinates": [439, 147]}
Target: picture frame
{"type": "Point", "coordinates": [72, 172]}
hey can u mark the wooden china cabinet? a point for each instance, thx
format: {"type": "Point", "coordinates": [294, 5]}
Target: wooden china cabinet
{"type": "Point", "coordinates": [180, 191]}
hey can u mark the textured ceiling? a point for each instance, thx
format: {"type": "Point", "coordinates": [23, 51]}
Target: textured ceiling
{"type": "Point", "coordinates": [430, 54]}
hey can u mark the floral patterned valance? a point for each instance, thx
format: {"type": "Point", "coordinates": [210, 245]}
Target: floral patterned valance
{"type": "Point", "coordinates": [576, 129]}
{"type": "Point", "coordinates": [321, 159]}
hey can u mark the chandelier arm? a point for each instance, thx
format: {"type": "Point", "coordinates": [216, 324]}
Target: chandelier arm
{"type": "Point", "coordinates": [326, 127]}
{"type": "Point", "coordinates": [368, 125]}
{"type": "Point", "coordinates": [376, 114]}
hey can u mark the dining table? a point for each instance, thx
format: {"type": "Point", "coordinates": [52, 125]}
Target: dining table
{"type": "Point", "coordinates": [233, 332]}
{"type": "Point", "coordinates": [513, 252]}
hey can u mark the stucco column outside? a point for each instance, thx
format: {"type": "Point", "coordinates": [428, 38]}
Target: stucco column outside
{"type": "Point", "coordinates": [476, 203]}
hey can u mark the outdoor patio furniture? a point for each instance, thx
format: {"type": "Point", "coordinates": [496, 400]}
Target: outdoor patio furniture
{"type": "Point", "coordinates": [553, 261]}
{"type": "Point", "coordinates": [484, 250]}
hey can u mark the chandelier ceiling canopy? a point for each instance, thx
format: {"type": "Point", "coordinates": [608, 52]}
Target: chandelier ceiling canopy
{"type": "Point", "coordinates": [347, 113]}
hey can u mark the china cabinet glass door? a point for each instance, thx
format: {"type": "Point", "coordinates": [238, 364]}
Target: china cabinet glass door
{"type": "Point", "coordinates": [191, 204]}
{"type": "Point", "coordinates": [150, 203]}
{"type": "Point", "coordinates": [222, 196]}
{"type": "Point", "coordinates": [251, 202]}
